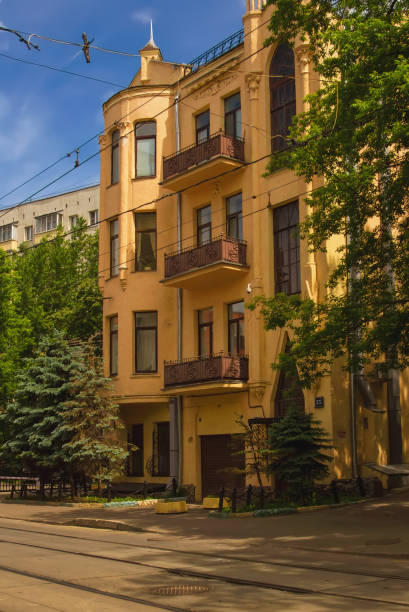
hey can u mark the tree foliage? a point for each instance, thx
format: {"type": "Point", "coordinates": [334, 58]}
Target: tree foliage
{"type": "Point", "coordinates": [354, 136]}
{"type": "Point", "coordinates": [63, 420]}
{"type": "Point", "coordinates": [297, 458]}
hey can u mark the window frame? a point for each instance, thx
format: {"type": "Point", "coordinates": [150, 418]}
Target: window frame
{"type": "Point", "coordinates": [236, 215]}
{"type": "Point", "coordinates": [145, 328]}
{"type": "Point", "coordinates": [138, 233]}
{"type": "Point", "coordinates": [96, 213]}
{"type": "Point", "coordinates": [200, 327]}
{"type": "Point", "coordinates": [48, 219]}
{"type": "Point", "coordinates": [137, 139]}
{"type": "Point", "coordinates": [11, 232]}
{"type": "Point", "coordinates": [278, 267]}
{"type": "Point", "coordinates": [203, 226]}
{"type": "Point", "coordinates": [73, 221]}
{"type": "Point", "coordinates": [113, 248]}
{"type": "Point", "coordinates": [288, 107]}
{"type": "Point", "coordinates": [232, 113]}
{"type": "Point", "coordinates": [113, 333]}
{"type": "Point", "coordinates": [29, 227]}
{"type": "Point", "coordinates": [204, 127]}
{"type": "Point", "coordinates": [235, 321]}
{"type": "Point", "coordinates": [115, 140]}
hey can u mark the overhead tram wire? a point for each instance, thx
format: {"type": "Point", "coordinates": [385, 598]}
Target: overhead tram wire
{"type": "Point", "coordinates": [112, 125]}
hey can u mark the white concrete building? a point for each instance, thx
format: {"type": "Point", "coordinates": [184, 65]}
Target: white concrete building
{"type": "Point", "coordinates": [31, 221]}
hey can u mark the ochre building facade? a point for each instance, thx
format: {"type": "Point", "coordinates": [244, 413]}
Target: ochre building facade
{"type": "Point", "coordinates": [191, 231]}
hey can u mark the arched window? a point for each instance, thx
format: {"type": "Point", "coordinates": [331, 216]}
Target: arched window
{"type": "Point", "coordinates": [289, 392]}
{"type": "Point", "coordinates": [282, 95]}
{"type": "Point", "coordinates": [115, 157]}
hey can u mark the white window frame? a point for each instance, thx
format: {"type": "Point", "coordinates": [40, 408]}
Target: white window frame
{"type": "Point", "coordinates": [95, 214]}
{"type": "Point", "coordinates": [8, 232]}
{"type": "Point", "coordinates": [48, 222]}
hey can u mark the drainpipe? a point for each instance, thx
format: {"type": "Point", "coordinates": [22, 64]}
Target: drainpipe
{"type": "Point", "coordinates": [179, 405]}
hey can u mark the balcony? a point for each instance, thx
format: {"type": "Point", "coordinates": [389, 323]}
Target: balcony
{"type": "Point", "coordinates": [213, 263]}
{"type": "Point", "coordinates": [211, 372]}
{"type": "Point", "coordinates": [203, 161]}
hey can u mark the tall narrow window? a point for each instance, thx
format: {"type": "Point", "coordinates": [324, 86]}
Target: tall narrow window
{"type": "Point", "coordinates": [161, 449]}
{"type": "Point", "coordinates": [145, 149]}
{"type": "Point", "coordinates": [145, 241]}
{"type": "Point", "coordinates": [114, 247]}
{"type": "Point", "coordinates": [29, 232]}
{"type": "Point", "coordinates": [205, 323]}
{"type": "Point", "coordinates": [204, 225]}
{"type": "Point", "coordinates": [232, 116]}
{"type": "Point", "coordinates": [73, 221]}
{"type": "Point", "coordinates": [236, 329]}
{"type": "Point", "coordinates": [146, 340]}
{"type": "Point", "coordinates": [234, 217]}
{"type": "Point", "coordinates": [289, 392]}
{"type": "Point", "coordinates": [136, 453]}
{"type": "Point", "coordinates": [113, 346]}
{"type": "Point", "coordinates": [115, 157]}
{"type": "Point", "coordinates": [93, 217]}
{"type": "Point", "coordinates": [282, 96]}
{"type": "Point", "coordinates": [202, 127]}
{"type": "Point", "coordinates": [287, 249]}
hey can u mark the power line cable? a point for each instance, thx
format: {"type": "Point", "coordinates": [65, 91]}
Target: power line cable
{"type": "Point", "coordinates": [77, 74]}
{"type": "Point", "coordinates": [117, 121]}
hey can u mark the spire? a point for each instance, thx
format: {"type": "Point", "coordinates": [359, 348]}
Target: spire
{"type": "Point", "coordinates": [151, 44]}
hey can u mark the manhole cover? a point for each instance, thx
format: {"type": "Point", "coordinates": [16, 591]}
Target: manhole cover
{"type": "Point", "coordinates": [179, 589]}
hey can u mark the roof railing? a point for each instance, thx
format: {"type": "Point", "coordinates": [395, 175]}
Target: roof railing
{"type": "Point", "coordinates": [226, 45]}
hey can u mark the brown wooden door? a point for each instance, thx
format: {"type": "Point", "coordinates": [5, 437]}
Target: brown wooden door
{"type": "Point", "coordinates": [218, 455]}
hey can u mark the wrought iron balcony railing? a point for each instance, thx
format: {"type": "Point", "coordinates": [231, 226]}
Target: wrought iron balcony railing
{"type": "Point", "coordinates": [226, 45]}
{"type": "Point", "coordinates": [219, 250]}
{"type": "Point", "coordinates": [216, 145]}
{"type": "Point", "coordinates": [212, 368]}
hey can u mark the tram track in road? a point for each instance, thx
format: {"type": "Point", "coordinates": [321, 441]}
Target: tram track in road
{"type": "Point", "coordinates": [193, 574]}
{"type": "Point", "coordinates": [221, 556]}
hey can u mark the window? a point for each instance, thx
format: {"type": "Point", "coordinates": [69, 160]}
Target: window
{"type": "Point", "coordinates": [161, 449]}
{"type": "Point", "coordinates": [46, 223]}
{"type": "Point", "coordinates": [136, 455]}
{"type": "Point", "coordinates": [113, 346]}
{"type": "Point", "coordinates": [93, 217]}
{"type": "Point", "coordinates": [205, 324]}
{"type": "Point", "coordinates": [287, 249]}
{"type": "Point", "coordinates": [204, 225]}
{"type": "Point", "coordinates": [7, 232]}
{"type": "Point", "coordinates": [202, 127]}
{"type": "Point", "coordinates": [289, 392]}
{"type": "Point", "coordinates": [234, 217]}
{"type": "Point", "coordinates": [282, 96]}
{"type": "Point", "coordinates": [146, 340]}
{"type": "Point", "coordinates": [145, 149]}
{"type": "Point", "coordinates": [145, 241]}
{"type": "Point", "coordinates": [236, 328]}
{"type": "Point", "coordinates": [232, 116]}
{"type": "Point", "coordinates": [114, 248]}
{"type": "Point", "coordinates": [73, 221]}
{"type": "Point", "coordinates": [115, 157]}
{"type": "Point", "coordinates": [29, 233]}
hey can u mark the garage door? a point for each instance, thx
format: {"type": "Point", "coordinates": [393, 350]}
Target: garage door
{"type": "Point", "coordinates": [218, 459]}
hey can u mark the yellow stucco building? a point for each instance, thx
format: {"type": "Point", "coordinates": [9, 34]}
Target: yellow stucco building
{"type": "Point", "coordinates": [192, 230]}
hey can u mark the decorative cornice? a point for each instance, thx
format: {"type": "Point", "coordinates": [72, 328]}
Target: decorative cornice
{"type": "Point", "coordinates": [214, 82]}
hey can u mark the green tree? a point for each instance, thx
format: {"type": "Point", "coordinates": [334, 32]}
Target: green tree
{"type": "Point", "coordinates": [354, 136]}
{"type": "Point", "coordinates": [57, 285]}
{"type": "Point", "coordinates": [91, 420]}
{"type": "Point", "coordinates": [297, 459]}
{"type": "Point", "coordinates": [32, 422]}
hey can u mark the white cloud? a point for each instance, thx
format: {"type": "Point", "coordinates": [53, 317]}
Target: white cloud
{"type": "Point", "coordinates": [142, 16]}
{"type": "Point", "coordinates": [19, 133]}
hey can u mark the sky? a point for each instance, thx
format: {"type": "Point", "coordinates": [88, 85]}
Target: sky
{"type": "Point", "coordinates": [46, 114]}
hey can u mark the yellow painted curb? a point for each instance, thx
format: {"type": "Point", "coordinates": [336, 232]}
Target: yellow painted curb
{"type": "Point", "coordinates": [212, 503]}
{"type": "Point", "coordinates": [175, 507]}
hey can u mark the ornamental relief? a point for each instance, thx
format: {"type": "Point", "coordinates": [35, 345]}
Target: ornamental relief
{"type": "Point", "coordinates": [216, 85]}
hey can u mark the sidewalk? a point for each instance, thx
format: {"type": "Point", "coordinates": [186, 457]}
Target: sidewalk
{"type": "Point", "coordinates": [375, 528]}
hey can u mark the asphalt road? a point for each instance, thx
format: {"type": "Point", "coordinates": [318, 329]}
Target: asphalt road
{"type": "Point", "coordinates": [54, 567]}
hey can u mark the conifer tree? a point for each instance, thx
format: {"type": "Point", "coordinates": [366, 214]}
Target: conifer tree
{"type": "Point", "coordinates": [90, 419]}
{"type": "Point", "coordinates": [297, 459]}
{"type": "Point", "coordinates": [32, 421]}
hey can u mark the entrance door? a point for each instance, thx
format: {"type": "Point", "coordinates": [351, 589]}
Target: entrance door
{"type": "Point", "coordinates": [218, 455]}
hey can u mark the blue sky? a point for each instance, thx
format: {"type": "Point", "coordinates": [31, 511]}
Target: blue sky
{"type": "Point", "coordinates": [45, 114]}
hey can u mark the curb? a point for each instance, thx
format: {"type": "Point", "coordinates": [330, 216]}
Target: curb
{"type": "Point", "coordinates": [102, 524]}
